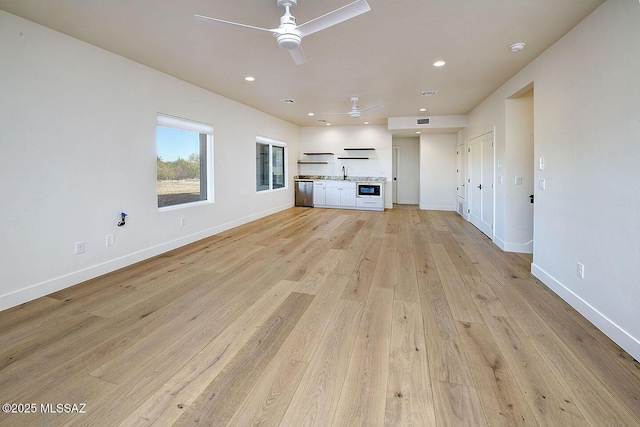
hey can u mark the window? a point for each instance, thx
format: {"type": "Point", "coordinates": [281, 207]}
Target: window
{"type": "Point", "coordinates": [184, 152]}
{"type": "Point", "coordinates": [271, 164]}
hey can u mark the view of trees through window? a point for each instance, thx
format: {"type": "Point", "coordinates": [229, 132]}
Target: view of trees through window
{"type": "Point", "coordinates": [181, 166]}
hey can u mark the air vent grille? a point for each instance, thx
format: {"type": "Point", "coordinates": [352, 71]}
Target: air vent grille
{"type": "Point", "coordinates": [423, 121]}
{"type": "Point", "coordinates": [429, 92]}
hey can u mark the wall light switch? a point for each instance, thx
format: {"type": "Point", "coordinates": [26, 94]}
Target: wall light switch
{"type": "Point", "coordinates": [542, 184]}
{"type": "Point", "coordinates": [110, 240]}
{"type": "Point", "coordinates": [541, 163]}
{"type": "Point", "coordinates": [518, 180]}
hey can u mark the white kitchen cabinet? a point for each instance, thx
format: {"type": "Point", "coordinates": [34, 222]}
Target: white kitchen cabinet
{"type": "Point", "coordinates": [340, 193]}
{"type": "Point", "coordinates": [375, 203]}
{"type": "Point", "coordinates": [319, 193]}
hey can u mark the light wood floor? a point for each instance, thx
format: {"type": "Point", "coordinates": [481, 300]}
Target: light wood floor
{"type": "Point", "coordinates": [318, 317]}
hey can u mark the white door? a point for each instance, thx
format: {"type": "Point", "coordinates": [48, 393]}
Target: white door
{"type": "Point", "coordinates": [394, 173]}
{"type": "Point", "coordinates": [480, 183]}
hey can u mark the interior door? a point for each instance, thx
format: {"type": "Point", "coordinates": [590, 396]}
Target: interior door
{"type": "Point", "coordinates": [394, 173]}
{"type": "Point", "coordinates": [480, 183]}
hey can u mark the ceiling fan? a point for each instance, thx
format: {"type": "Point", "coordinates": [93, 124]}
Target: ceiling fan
{"type": "Point", "coordinates": [356, 111]}
{"type": "Point", "coordinates": [289, 35]}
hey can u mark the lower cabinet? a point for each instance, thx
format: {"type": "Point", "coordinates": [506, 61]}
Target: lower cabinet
{"type": "Point", "coordinates": [376, 203]}
{"type": "Point", "coordinates": [340, 193]}
{"type": "Point", "coordinates": [319, 193]}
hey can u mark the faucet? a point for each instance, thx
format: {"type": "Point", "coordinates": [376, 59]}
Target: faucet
{"type": "Point", "coordinates": [344, 173]}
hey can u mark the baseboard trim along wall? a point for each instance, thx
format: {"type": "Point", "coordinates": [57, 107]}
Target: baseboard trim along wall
{"type": "Point", "coordinates": [438, 208]}
{"type": "Point", "coordinates": [523, 248]}
{"type": "Point", "coordinates": [629, 343]}
{"type": "Point", "coordinates": [56, 284]}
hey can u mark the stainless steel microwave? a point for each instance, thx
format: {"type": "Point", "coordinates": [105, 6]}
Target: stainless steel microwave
{"type": "Point", "coordinates": [369, 189]}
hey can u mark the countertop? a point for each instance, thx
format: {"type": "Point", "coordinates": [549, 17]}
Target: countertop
{"type": "Point", "coordinates": [339, 178]}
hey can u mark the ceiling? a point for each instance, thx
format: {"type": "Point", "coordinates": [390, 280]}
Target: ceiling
{"type": "Point", "coordinates": [384, 56]}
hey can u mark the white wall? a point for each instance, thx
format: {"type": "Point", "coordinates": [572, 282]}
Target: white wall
{"type": "Point", "coordinates": [335, 139]}
{"type": "Point", "coordinates": [408, 173]}
{"type": "Point", "coordinates": [438, 172]}
{"type": "Point", "coordinates": [77, 134]}
{"type": "Point", "coordinates": [587, 128]}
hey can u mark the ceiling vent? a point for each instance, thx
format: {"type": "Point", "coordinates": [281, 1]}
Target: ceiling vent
{"type": "Point", "coordinates": [423, 121]}
{"type": "Point", "coordinates": [429, 92]}
{"type": "Point", "coordinates": [287, 101]}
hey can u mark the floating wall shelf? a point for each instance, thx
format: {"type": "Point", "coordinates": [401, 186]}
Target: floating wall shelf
{"type": "Point", "coordinates": [318, 154]}
{"type": "Point", "coordinates": [360, 148]}
{"type": "Point", "coordinates": [354, 158]}
{"type": "Point", "coordinates": [300, 162]}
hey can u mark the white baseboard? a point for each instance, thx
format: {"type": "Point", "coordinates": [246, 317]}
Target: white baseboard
{"type": "Point", "coordinates": [408, 202]}
{"type": "Point", "coordinates": [629, 343]}
{"type": "Point", "coordinates": [523, 248]}
{"type": "Point", "coordinates": [438, 208]}
{"type": "Point", "coordinates": [56, 284]}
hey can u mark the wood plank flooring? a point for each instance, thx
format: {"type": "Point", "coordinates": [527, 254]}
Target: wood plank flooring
{"type": "Point", "coordinates": [318, 317]}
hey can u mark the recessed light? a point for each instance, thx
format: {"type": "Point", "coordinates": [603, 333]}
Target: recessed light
{"type": "Point", "coordinates": [423, 110]}
{"type": "Point", "coordinates": [310, 114]}
{"type": "Point", "coordinates": [366, 123]}
{"type": "Point", "coordinates": [418, 132]}
{"type": "Point", "coordinates": [328, 124]}
{"type": "Point", "coordinates": [517, 47]}
{"type": "Point", "coordinates": [439, 63]}
{"type": "Point", "coordinates": [250, 78]}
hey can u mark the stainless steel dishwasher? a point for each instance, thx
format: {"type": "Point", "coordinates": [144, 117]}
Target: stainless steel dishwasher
{"type": "Point", "coordinates": [304, 193]}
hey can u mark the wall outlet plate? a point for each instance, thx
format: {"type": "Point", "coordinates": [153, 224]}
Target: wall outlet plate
{"type": "Point", "coordinates": [580, 270]}
{"type": "Point", "coordinates": [79, 248]}
{"type": "Point", "coordinates": [542, 184]}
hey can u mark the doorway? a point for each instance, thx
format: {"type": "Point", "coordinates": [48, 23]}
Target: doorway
{"type": "Point", "coordinates": [520, 172]}
{"type": "Point", "coordinates": [480, 182]}
{"type": "Point", "coordinates": [406, 170]}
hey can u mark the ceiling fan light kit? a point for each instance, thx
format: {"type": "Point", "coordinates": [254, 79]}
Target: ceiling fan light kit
{"type": "Point", "coordinates": [289, 35]}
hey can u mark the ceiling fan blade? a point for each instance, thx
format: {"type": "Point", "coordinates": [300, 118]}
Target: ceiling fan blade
{"type": "Point", "coordinates": [222, 21]}
{"type": "Point", "coordinates": [373, 107]}
{"type": "Point", "coordinates": [298, 56]}
{"type": "Point", "coordinates": [332, 18]}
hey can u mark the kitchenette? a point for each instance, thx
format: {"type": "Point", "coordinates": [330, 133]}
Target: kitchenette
{"type": "Point", "coordinates": [344, 167]}
{"type": "Point", "coordinates": [353, 192]}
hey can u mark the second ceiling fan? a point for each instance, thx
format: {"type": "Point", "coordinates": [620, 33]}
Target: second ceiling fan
{"type": "Point", "coordinates": [289, 35]}
{"type": "Point", "coordinates": [356, 112]}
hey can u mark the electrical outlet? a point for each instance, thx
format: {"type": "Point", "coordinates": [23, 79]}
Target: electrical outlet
{"type": "Point", "coordinates": [542, 184]}
{"type": "Point", "coordinates": [580, 270]}
{"type": "Point", "coordinates": [183, 222]}
{"type": "Point", "coordinates": [110, 240]}
{"type": "Point", "coordinates": [79, 248]}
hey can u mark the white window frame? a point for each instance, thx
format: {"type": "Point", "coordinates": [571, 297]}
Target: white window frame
{"type": "Point", "coordinates": [274, 143]}
{"type": "Point", "coordinates": [202, 128]}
